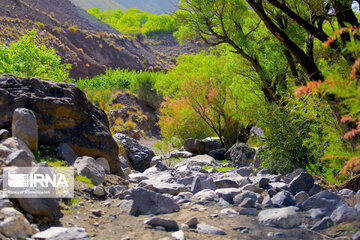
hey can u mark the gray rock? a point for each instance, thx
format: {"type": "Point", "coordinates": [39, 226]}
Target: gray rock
{"type": "Point", "coordinates": [99, 191]}
{"type": "Point", "coordinates": [227, 194]}
{"type": "Point", "coordinates": [357, 207]}
{"type": "Point", "coordinates": [280, 217]}
{"type": "Point", "coordinates": [279, 186]}
{"type": "Point", "coordinates": [301, 197]}
{"type": "Point", "coordinates": [19, 159]}
{"type": "Point", "coordinates": [11, 145]}
{"type": "Point", "coordinates": [283, 198]}
{"type": "Point", "coordinates": [357, 197]}
{"type": "Point", "coordinates": [62, 233]}
{"type": "Point", "coordinates": [181, 154]}
{"type": "Point", "coordinates": [317, 213]}
{"type": "Point", "coordinates": [252, 188]}
{"type": "Point", "coordinates": [244, 171]}
{"type": "Point", "coordinates": [346, 193]}
{"type": "Point", "coordinates": [245, 194]}
{"type": "Point", "coordinates": [303, 182]}
{"type": "Point", "coordinates": [24, 126]}
{"type": "Point", "coordinates": [148, 202]}
{"type": "Point", "coordinates": [123, 162]}
{"type": "Point", "coordinates": [163, 187]}
{"type": "Point", "coordinates": [263, 182]}
{"type": "Point", "coordinates": [104, 163]}
{"type": "Point", "coordinates": [39, 206]}
{"type": "Point", "coordinates": [116, 189]}
{"type": "Point", "coordinates": [192, 222]}
{"type": "Point", "coordinates": [267, 203]}
{"type": "Point", "coordinates": [5, 203]}
{"type": "Point", "coordinates": [344, 214]}
{"type": "Point", "coordinates": [240, 154]}
{"type": "Point", "coordinates": [179, 235]}
{"type": "Point", "coordinates": [14, 224]}
{"type": "Point", "coordinates": [184, 196]}
{"type": "Point", "coordinates": [139, 156]}
{"type": "Point", "coordinates": [200, 160]}
{"type": "Point", "coordinates": [248, 211]}
{"type": "Point", "coordinates": [356, 236]}
{"type": "Point", "coordinates": [324, 223]}
{"type": "Point", "coordinates": [205, 195]}
{"type": "Point", "coordinates": [315, 189]}
{"type": "Point", "coordinates": [164, 222]}
{"type": "Point", "coordinates": [208, 229]}
{"type": "Point", "coordinates": [248, 203]}
{"type": "Point", "coordinates": [201, 146]}
{"type": "Point", "coordinates": [65, 152]}
{"type": "Point", "coordinates": [127, 206]}
{"type": "Point", "coordinates": [87, 166]}
{"type": "Point", "coordinates": [202, 182]}
{"type": "Point", "coordinates": [296, 173]}
{"type": "Point", "coordinates": [212, 170]}
{"type": "Point", "coordinates": [325, 200]}
{"type": "Point", "coordinates": [197, 169]}
{"type": "Point", "coordinates": [226, 183]}
{"type": "Point", "coordinates": [4, 134]}
{"type": "Point", "coordinates": [218, 154]}
{"type": "Point", "coordinates": [161, 166]}
{"type": "Point", "coordinates": [96, 212]}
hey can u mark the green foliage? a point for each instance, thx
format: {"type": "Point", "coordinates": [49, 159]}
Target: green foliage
{"type": "Point", "coordinates": [39, 156]}
{"type": "Point", "coordinates": [135, 21]}
{"type": "Point", "coordinates": [220, 169]}
{"type": "Point", "coordinates": [84, 180]}
{"type": "Point", "coordinates": [26, 58]}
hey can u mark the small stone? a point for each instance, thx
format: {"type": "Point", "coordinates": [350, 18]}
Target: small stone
{"type": "Point", "coordinates": [228, 211]}
{"type": "Point", "coordinates": [270, 234]}
{"type": "Point", "coordinates": [247, 203]}
{"type": "Point", "coordinates": [252, 188]}
{"type": "Point", "coordinates": [283, 198]}
{"type": "Point", "coordinates": [97, 212]}
{"type": "Point", "coordinates": [208, 229]}
{"type": "Point", "coordinates": [324, 223]}
{"type": "Point", "coordinates": [192, 222]}
{"type": "Point", "coordinates": [278, 234]}
{"type": "Point", "coordinates": [73, 233]}
{"type": "Point", "coordinates": [163, 222]}
{"type": "Point", "coordinates": [301, 197]}
{"type": "Point", "coordinates": [264, 182]}
{"type": "Point", "coordinates": [303, 182]}
{"type": "Point", "coordinates": [179, 235]}
{"type": "Point", "coordinates": [248, 211]}
{"type": "Point", "coordinates": [104, 163]}
{"type": "Point", "coordinates": [244, 171]}
{"type": "Point", "coordinates": [4, 134]}
{"type": "Point", "coordinates": [96, 224]}
{"type": "Point", "coordinates": [99, 191]}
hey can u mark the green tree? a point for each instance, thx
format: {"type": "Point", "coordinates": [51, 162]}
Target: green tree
{"type": "Point", "coordinates": [26, 58]}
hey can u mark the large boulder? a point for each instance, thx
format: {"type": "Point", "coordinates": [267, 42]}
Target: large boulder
{"type": "Point", "coordinates": [14, 225]}
{"type": "Point", "coordinates": [280, 217]}
{"type": "Point", "coordinates": [55, 233]}
{"type": "Point", "coordinates": [39, 206]}
{"type": "Point", "coordinates": [24, 126]}
{"type": "Point", "coordinates": [240, 154]}
{"type": "Point", "coordinates": [87, 166]}
{"type": "Point", "coordinates": [12, 145]}
{"type": "Point", "coordinates": [138, 155]}
{"type": "Point", "coordinates": [201, 146]}
{"type": "Point", "coordinates": [64, 115]}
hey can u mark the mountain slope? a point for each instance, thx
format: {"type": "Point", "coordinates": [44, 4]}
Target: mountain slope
{"type": "Point", "coordinates": [79, 38]}
{"type": "Point", "coordinates": [101, 4]}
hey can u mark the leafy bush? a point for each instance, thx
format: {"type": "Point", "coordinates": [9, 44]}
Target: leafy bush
{"type": "Point", "coordinates": [26, 58]}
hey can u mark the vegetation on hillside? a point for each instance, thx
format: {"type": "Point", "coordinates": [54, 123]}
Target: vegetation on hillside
{"type": "Point", "coordinates": [136, 21]}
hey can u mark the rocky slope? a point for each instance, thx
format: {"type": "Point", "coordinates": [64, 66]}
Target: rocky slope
{"type": "Point", "coordinates": [79, 38]}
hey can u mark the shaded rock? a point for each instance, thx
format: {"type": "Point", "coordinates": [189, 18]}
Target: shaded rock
{"type": "Point", "coordinates": [208, 229]}
{"type": "Point", "coordinates": [163, 187]}
{"type": "Point", "coordinates": [4, 134]}
{"type": "Point", "coordinates": [344, 214]}
{"type": "Point", "coordinates": [62, 233]}
{"type": "Point", "coordinates": [315, 189]}
{"type": "Point", "coordinates": [317, 213]}
{"type": "Point", "coordinates": [11, 145]}
{"type": "Point", "coordinates": [263, 182]}
{"type": "Point", "coordinates": [65, 152]}
{"type": "Point", "coordinates": [218, 154]}
{"type": "Point", "coordinates": [39, 206]}
{"type": "Point", "coordinates": [192, 222]}
{"type": "Point", "coordinates": [301, 197]}
{"type": "Point", "coordinates": [127, 206]}
{"type": "Point", "coordinates": [244, 171]}
{"type": "Point", "coordinates": [228, 211]}
{"type": "Point", "coordinates": [123, 162]}
{"type": "Point", "coordinates": [245, 194]}
{"type": "Point", "coordinates": [248, 211]}
{"type": "Point", "coordinates": [184, 196]}
{"type": "Point", "coordinates": [139, 156]}
{"type": "Point", "coordinates": [283, 198]}
{"type": "Point", "coordinates": [248, 203]}
{"type": "Point", "coordinates": [19, 159]}
{"type": "Point", "coordinates": [267, 203]}
{"type": "Point", "coordinates": [252, 188]}
{"type": "Point", "coordinates": [63, 113]}
{"type": "Point", "coordinates": [324, 223]}
{"type": "Point", "coordinates": [303, 182]}
{"type": "Point", "coordinates": [201, 146]}
{"type": "Point", "coordinates": [264, 171]}
{"type": "Point", "coordinates": [280, 217]}
{"type": "Point", "coordinates": [104, 163]}
{"type": "Point", "coordinates": [296, 173]}
{"type": "Point", "coordinates": [279, 186]}
{"type": "Point", "coordinates": [161, 166]}
{"type": "Point", "coordinates": [200, 160]}
{"type": "Point", "coordinates": [325, 200]}
{"type": "Point", "coordinates": [87, 166]}
{"type": "Point", "coordinates": [227, 194]}
{"type": "Point", "coordinates": [164, 222]}
{"type": "Point", "coordinates": [226, 183]}
{"type": "Point", "coordinates": [357, 197]}
{"type": "Point", "coordinates": [148, 202]}
{"type": "Point", "coordinates": [181, 154]}
{"type": "Point", "coordinates": [240, 155]}
{"type": "Point", "coordinates": [5, 203]}
{"type": "Point", "coordinates": [24, 126]}
{"type": "Point", "coordinates": [202, 182]}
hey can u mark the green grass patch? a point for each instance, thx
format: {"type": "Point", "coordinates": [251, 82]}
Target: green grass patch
{"type": "Point", "coordinates": [84, 180]}
{"type": "Point", "coordinates": [220, 169]}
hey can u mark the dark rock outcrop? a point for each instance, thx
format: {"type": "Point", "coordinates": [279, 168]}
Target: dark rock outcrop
{"type": "Point", "coordinates": [201, 146]}
{"type": "Point", "coordinates": [64, 115]}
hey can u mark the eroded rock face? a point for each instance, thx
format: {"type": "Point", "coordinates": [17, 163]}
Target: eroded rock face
{"type": "Point", "coordinates": [64, 115]}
